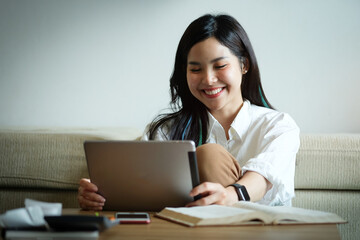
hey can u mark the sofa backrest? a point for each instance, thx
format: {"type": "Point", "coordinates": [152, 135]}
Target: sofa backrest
{"type": "Point", "coordinates": [40, 160]}
{"type": "Point", "coordinates": [57, 160]}
{"type": "Point", "coordinates": [328, 162]}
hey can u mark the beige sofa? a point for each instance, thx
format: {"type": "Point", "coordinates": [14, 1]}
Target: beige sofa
{"type": "Point", "coordinates": [47, 164]}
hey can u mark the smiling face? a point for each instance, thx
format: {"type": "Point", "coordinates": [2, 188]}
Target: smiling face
{"type": "Point", "coordinates": [214, 77]}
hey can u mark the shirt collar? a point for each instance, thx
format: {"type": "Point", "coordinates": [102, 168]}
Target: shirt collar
{"type": "Point", "coordinates": [212, 123]}
{"type": "Point", "coordinates": [242, 120]}
{"type": "Point", "coordinates": [240, 124]}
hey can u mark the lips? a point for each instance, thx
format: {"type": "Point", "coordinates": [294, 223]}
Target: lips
{"type": "Point", "coordinates": [213, 92]}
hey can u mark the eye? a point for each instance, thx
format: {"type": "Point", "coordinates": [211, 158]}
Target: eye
{"type": "Point", "coordinates": [221, 66]}
{"type": "Point", "coordinates": [195, 70]}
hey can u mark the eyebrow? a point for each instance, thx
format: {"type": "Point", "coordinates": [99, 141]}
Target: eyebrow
{"type": "Point", "coordinates": [212, 61]}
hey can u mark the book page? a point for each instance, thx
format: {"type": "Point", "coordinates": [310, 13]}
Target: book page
{"type": "Point", "coordinates": [288, 215]}
{"type": "Point", "coordinates": [211, 211]}
{"type": "Point", "coordinates": [214, 215]}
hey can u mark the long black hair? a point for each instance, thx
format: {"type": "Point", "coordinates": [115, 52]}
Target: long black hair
{"type": "Point", "coordinates": [189, 119]}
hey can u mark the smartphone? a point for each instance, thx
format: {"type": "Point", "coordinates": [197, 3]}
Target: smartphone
{"type": "Point", "coordinates": [133, 217]}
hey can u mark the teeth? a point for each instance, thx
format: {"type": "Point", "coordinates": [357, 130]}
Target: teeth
{"type": "Point", "coordinates": [213, 92]}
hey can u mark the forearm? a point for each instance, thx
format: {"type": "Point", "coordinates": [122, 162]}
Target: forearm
{"type": "Point", "coordinates": [215, 193]}
{"type": "Point", "coordinates": [256, 185]}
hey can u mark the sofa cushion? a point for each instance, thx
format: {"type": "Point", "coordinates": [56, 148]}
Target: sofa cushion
{"type": "Point", "coordinates": [11, 198]}
{"type": "Point", "coordinates": [328, 162]}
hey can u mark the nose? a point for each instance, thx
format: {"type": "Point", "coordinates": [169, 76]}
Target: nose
{"type": "Point", "coordinates": [209, 77]}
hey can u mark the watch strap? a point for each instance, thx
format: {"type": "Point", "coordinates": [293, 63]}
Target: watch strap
{"type": "Point", "coordinates": [241, 192]}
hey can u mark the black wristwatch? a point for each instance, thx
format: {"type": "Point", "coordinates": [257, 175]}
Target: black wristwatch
{"type": "Point", "coordinates": [241, 192]}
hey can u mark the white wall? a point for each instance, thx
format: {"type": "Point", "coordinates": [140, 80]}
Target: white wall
{"type": "Point", "coordinates": [108, 63]}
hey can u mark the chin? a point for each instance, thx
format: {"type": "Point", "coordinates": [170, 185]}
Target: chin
{"type": "Point", "coordinates": [212, 107]}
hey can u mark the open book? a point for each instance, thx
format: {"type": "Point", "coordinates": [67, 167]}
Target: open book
{"type": "Point", "coordinates": [246, 213]}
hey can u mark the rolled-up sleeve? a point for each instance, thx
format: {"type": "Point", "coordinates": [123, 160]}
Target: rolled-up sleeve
{"type": "Point", "coordinates": [275, 159]}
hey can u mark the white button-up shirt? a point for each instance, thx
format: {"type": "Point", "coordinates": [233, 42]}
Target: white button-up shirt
{"type": "Point", "coordinates": [262, 140]}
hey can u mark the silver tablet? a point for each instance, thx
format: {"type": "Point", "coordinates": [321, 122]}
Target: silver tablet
{"type": "Point", "coordinates": [142, 175]}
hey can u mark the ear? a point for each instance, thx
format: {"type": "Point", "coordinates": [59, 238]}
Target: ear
{"type": "Point", "coordinates": [245, 65]}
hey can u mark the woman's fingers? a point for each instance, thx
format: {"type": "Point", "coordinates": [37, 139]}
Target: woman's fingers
{"type": "Point", "coordinates": [91, 196]}
{"type": "Point", "coordinates": [91, 201]}
{"type": "Point", "coordinates": [88, 198]}
{"type": "Point", "coordinates": [213, 193]}
{"type": "Point", "coordinates": [88, 204]}
{"type": "Point", "coordinates": [86, 184]}
{"type": "Point", "coordinates": [204, 188]}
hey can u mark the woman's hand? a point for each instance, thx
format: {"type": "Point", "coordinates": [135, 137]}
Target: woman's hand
{"type": "Point", "coordinates": [87, 196]}
{"type": "Point", "coordinates": [213, 193]}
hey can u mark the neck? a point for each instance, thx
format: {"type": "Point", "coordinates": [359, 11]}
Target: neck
{"type": "Point", "coordinates": [225, 118]}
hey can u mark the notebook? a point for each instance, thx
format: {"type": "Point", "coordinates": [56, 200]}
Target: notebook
{"type": "Point", "coordinates": [142, 175]}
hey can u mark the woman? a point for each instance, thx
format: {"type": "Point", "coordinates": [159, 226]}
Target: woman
{"type": "Point", "coordinates": [246, 150]}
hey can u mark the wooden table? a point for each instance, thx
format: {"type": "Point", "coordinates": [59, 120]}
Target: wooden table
{"type": "Point", "coordinates": [162, 229]}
